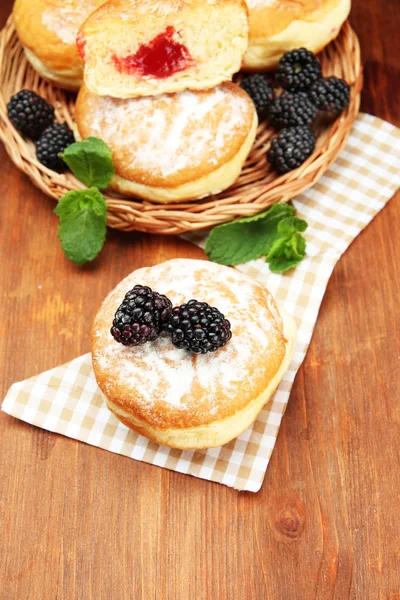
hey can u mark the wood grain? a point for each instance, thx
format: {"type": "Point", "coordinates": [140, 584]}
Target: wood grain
{"type": "Point", "coordinates": [80, 523]}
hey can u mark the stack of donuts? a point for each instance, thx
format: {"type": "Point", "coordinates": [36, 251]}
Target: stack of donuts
{"type": "Point", "coordinates": [155, 79]}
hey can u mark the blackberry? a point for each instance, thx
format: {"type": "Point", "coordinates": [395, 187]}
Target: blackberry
{"type": "Point", "coordinates": [298, 70]}
{"type": "Point", "coordinates": [330, 94]}
{"type": "Point", "coordinates": [260, 91]}
{"type": "Point", "coordinates": [290, 110]}
{"type": "Point", "coordinates": [198, 327]}
{"type": "Point", "coordinates": [291, 148]}
{"type": "Point", "coordinates": [142, 316]}
{"type": "Point", "coordinates": [30, 113]}
{"type": "Point", "coordinates": [51, 143]}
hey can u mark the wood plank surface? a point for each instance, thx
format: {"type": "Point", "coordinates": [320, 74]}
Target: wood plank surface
{"type": "Point", "coordinates": [80, 523]}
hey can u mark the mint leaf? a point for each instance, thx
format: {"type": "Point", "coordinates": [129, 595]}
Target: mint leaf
{"type": "Point", "coordinates": [90, 161]}
{"type": "Point", "coordinates": [296, 246]}
{"type": "Point", "coordinates": [82, 226]}
{"type": "Point", "coordinates": [282, 264]}
{"type": "Point", "coordinates": [292, 224]}
{"type": "Point", "coordinates": [290, 248]}
{"type": "Point", "coordinates": [275, 233]}
{"type": "Point", "coordinates": [247, 239]}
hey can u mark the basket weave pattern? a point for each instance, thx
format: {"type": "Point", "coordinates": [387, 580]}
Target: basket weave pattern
{"type": "Point", "coordinates": [258, 186]}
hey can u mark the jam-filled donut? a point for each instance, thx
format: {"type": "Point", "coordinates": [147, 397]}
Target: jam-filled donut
{"type": "Point", "coordinates": [47, 30]}
{"type": "Point", "coordinates": [172, 147]}
{"type": "Point", "coordinates": [186, 400]}
{"type": "Point", "coordinates": [277, 26]}
{"type": "Point", "coordinates": [147, 47]}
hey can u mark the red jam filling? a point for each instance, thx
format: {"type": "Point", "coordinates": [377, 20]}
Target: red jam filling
{"type": "Point", "coordinates": [80, 44]}
{"type": "Point", "coordinates": [161, 57]}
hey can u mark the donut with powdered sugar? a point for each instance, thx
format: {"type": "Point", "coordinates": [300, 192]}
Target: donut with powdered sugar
{"type": "Point", "coordinates": [184, 400]}
{"type": "Point", "coordinates": [172, 147]}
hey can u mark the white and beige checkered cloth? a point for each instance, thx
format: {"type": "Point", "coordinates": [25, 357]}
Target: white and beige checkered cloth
{"type": "Point", "coordinates": [67, 400]}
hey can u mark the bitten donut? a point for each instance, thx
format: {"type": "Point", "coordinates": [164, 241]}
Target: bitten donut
{"type": "Point", "coordinates": [185, 400]}
{"type": "Point", "coordinates": [47, 30]}
{"type": "Point", "coordinates": [147, 47]}
{"type": "Point", "coordinates": [277, 26]}
{"type": "Point", "coordinates": [174, 147]}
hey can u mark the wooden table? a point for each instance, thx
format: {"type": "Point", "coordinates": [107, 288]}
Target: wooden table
{"type": "Point", "coordinates": [79, 523]}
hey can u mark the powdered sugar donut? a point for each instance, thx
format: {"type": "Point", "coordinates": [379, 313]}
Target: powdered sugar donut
{"type": "Point", "coordinates": [147, 47]}
{"type": "Point", "coordinates": [173, 147]}
{"type": "Point", "coordinates": [47, 29]}
{"type": "Point", "coordinates": [277, 26]}
{"type": "Point", "coordinates": [194, 401]}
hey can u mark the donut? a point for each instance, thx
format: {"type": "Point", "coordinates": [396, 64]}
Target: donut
{"type": "Point", "coordinates": [192, 401]}
{"type": "Point", "coordinates": [147, 47]}
{"type": "Point", "coordinates": [277, 26]}
{"type": "Point", "coordinates": [47, 30]}
{"type": "Point", "coordinates": [172, 147]}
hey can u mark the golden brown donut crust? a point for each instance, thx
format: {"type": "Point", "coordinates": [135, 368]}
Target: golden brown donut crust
{"type": "Point", "coordinates": [269, 17]}
{"type": "Point", "coordinates": [169, 388]}
{"type": "Point", "coordinates": [48, 28]}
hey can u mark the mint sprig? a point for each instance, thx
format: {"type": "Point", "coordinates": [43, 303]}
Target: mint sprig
{"type": "Point", "coordinates": [246, 239]}
{"type": "Point", "coordinates": [91, 162]}
{"type": "Point", "coordinates": [83, 213]}
{"type": "Point", "coordinates": [275, 234]}
{"type": "Point", "coordinates": [82, 226]}
{"type": "Point", "coordinates": [290, 248]}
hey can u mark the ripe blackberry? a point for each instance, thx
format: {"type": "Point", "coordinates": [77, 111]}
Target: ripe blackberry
{"type": "Point", "coordinates": [260, 91]}
{"type": "Point", "coordinates": [291, 148]}
{"type": "Point", "coordinates": [298, 70]}
{"type": "Point", "coordinates": [29, 113]}
{"type": "Point", "coordinates": [53, 141]}
{"type": "Point", "coordinates": [142, 316]}
{"type": "Point", "coordinates": [330, 94]}
{"type": "Point", "coordinates": [198, 327]}
{"type": "Point", "coordinates": [290, 110]}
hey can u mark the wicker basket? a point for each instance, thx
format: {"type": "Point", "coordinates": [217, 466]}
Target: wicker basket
{"type": "Point", "coordinates": [257, 187]}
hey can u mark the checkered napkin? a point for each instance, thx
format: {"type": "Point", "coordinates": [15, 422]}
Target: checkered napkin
{"type": "Point", "coordinates": [67, 400]}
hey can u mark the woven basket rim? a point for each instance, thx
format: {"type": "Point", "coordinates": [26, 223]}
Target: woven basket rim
{"type": "Point", "coordinates": [257, 188]}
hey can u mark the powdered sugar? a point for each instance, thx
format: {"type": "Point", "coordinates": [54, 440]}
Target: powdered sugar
{"type": "Point", "coordinates": [66, 20]}
{"type": "Point", "coordinates": [150, 7]}
{"type": "Point", "coordinates": [260, 3]}
{"type": "Point", "coordinates": [159, 373]}
{"type": "Point", "coordinates": [169, 134]}
{"type": "Point", "coordinates": [139, 370]}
